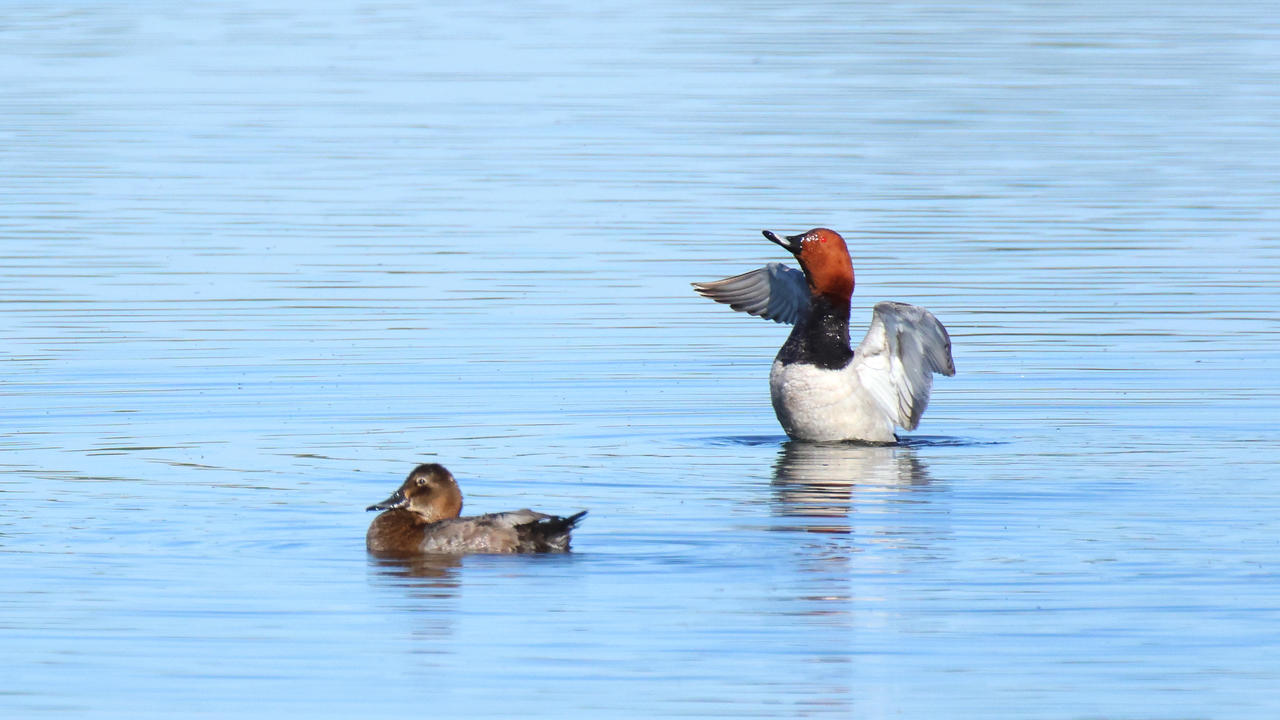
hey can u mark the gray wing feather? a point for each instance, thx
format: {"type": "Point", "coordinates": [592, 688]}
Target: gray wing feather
{"type": "Point", "coordinates": [904, 347]}
{"type": "Point", "coordinates": [492, 533]}
{"type": "Point", "coordinates": [774, 292]}
{"type": "Point", "coordinates": [513, 518]}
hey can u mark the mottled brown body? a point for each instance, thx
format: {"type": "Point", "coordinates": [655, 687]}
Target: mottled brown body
{"type": "Point", "coordinates": [423, 517]}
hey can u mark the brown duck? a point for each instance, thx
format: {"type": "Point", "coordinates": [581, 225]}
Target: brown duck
{"type": "Point", "coordinates": [423, 517]}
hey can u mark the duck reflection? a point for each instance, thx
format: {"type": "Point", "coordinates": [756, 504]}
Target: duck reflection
{"type": "Point", "coordinates": [425, 587]}
{"type": "Point", "coordinates": [438, 571]}
{"type": "Point", "coordinates": [422, 577]}
{"type": "Point", "coordinates": [825, 481]}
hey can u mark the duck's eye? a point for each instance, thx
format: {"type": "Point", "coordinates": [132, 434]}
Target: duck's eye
{"type": "Point", "coordinates": [422, 481]}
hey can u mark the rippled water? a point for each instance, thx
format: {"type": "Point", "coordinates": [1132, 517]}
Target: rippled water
{"type": "Point", "coordinates": [258, 260]}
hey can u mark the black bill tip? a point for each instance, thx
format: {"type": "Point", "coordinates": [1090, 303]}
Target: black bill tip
{"type": "Point", "coordinates": [395, 501]}
{"type": "Point", "coordinates": [789, 243]}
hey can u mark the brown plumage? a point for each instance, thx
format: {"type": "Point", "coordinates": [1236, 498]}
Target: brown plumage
{"type": "Point", "coordinates": [423, 517]}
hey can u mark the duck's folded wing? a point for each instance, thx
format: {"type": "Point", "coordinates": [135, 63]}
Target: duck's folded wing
{"type": "Point", "coordinates": [904, 347]}
{"type": "Point", "coordinates": [538, 532]}
{"type": "Point", "coordinates": [513, 518]}
{"type": "Point", "coordinates": [774, 292]}
{"type": "Point", "coordinates": [492, 533]}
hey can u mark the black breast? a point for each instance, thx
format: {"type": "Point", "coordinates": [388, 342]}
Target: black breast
{"type": "Point", "coordinates": [821, 337]}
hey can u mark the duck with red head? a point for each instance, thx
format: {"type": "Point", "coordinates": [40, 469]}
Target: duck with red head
{"type": "Point", "coordinates": [823, 389]}
{"type": "Point", "coordinates": [423, 516]}
{"type": "Point", "coordinates": [824, 259]}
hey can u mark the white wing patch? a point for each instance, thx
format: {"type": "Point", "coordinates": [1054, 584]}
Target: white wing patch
{"type": "Point", "coordinates": [774, 292]}
{"type": "Point", "coordinates": [895, 362]}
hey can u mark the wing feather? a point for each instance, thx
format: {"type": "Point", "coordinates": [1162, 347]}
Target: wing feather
{"type": "Point", "coordinates": [903, 348]}
{"type": "Point", "coordinates": [774, 292]}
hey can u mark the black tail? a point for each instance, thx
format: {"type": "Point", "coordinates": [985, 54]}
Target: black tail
{"type": "Point", "coordinates": [550, 534]}
{"type": "Point", "coordinates": [571, 522]}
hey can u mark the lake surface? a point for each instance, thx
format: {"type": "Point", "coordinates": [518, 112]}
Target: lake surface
{"type": "Point", "coordinates": [256, 261]}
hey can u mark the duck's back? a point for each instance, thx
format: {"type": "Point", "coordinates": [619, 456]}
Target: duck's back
{"type": "Point", "coordinates": [519, 531]}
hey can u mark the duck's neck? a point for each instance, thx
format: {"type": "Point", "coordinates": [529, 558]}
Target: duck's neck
{"type": "Point", "coordinates": [443, 508]}
{"type": "Point", "coordinates": [821, 337]}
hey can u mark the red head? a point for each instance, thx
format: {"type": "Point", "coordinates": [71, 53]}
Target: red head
{"type": "Point", "coordinates": [825, 260]}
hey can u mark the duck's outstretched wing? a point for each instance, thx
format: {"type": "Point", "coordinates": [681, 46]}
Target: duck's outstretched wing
{"type": "Point", "coordinates": [904, 347]}
{"type": "Point", "coordinates": [774, 292]}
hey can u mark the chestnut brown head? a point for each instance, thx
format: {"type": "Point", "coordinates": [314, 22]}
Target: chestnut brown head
{"type": "Point", "coordinates": [824, 257]}
{"type": "Point", "coordinates": [430, 491]}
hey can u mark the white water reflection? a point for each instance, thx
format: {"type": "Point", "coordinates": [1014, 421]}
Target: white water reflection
{"type": "Point", "coordinates": [826, 482]}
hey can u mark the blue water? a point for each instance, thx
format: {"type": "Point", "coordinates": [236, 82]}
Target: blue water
{"type": "Point", "coordinates": [258, 260]}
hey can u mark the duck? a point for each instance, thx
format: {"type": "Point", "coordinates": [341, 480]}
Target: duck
{"type": "Point", "coordinates": [423, 517]}
{"type": "Point", "coordinates": [822, 389]}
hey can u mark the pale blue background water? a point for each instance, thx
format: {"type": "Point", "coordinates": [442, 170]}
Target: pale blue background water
{"type": "Point", "coordinates": [258, 259]}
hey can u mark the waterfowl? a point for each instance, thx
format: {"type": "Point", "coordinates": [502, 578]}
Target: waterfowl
{"type": "Point", "coordinates": [822, 389]}
{"type": "Point", "coordinates": [423, 516]}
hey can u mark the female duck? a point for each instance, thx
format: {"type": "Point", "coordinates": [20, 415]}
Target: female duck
{"type": "Point", "coordinates": [423, 517]}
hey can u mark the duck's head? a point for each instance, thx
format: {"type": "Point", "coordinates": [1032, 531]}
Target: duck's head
{"type": "Point", "coordinates": [430, 491]}
{"type": "Point", "coordinates": [825, 260]}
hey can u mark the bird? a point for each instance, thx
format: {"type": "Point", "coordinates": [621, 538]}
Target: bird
{"type": "Point", "coordinates": [422, 517]}
{"type": "Point", "coordinates": [822, 389]}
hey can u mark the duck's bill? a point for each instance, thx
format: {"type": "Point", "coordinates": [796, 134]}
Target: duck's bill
{"type": "Point", "coordinates": [790, 243]}
{"type": "Point", "coordinates": [398, 500]}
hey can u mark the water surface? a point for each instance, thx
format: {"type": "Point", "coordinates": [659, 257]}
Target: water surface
{"type": "Point", "coordinates": [256, 261]}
